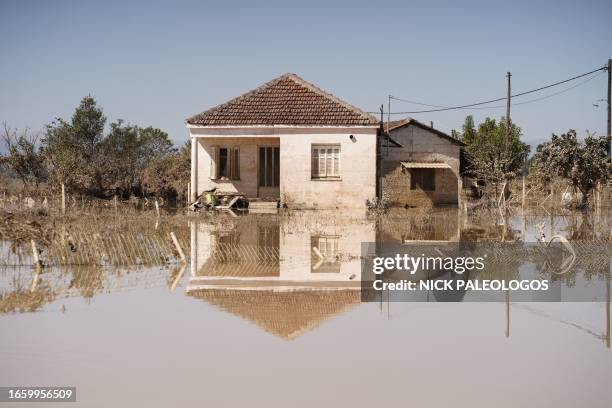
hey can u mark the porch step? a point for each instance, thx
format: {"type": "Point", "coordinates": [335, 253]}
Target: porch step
{"type": "Point", "coordinates": [263, 207]}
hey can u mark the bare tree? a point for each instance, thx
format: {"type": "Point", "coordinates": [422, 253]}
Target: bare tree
{"type": "Point", "coordinates": [23, 158]}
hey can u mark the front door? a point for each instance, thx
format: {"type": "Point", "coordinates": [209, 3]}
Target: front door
{"type": "Point", "coordinates": [268, 174]}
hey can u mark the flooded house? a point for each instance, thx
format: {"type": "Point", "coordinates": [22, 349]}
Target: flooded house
{"type": "Point", "coordinates": [286, 141]}
{"type": "Point", "coordinates": [420, 165]}
{"type": "Point", "coordinates": [292, 143]}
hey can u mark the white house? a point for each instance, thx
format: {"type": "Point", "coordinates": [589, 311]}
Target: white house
{"type": "Point", "coordinates": [286, 140]}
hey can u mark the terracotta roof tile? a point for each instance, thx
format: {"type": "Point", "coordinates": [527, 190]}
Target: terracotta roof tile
{"type": "Point", "coordinates": [284, 314]}
{"type": "Point", "coordinates": [286, 100]}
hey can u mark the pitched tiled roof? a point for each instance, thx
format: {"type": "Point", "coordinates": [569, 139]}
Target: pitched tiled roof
{"type": "Point", "coordinates": [396, 124]}
{"type": "Point", "coordinates": [286, 100]}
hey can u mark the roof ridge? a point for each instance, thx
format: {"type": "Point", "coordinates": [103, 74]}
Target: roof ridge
{"type": "Point", "coordinates": [359, 117]}
{"type": "Point", "coordinates": [396, 124]}
{"type": "Point", "coordinates": [315, 88]}
{"type": "Point", "coordinates": [239, 97]}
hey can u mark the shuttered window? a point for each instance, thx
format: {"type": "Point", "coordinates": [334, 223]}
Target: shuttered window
{"type": "Point", "coordinates": [325, 161]}
{"type": "Point", "coordinates": [235, 161]}
{"type": "Point", "coordinates": [225, 163]}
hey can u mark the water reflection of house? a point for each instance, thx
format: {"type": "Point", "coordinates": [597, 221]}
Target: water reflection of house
{"type": "Point", "coordinates": [434, 232]}
{"type": "Point", "coordinates": [435, 225]}
{"type": "Point", "coordinates": [284, 314]}
{"type": "Point", "coordinates": [276, 272]}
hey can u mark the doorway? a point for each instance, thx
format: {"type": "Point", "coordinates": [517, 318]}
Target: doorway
{"type": "Point", "coordinates": [268, 172]}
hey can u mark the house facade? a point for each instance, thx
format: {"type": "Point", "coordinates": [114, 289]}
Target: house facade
{"type": "Point", "coordinates": [286, 140]}
{"type": "Point", "coordinates": [420, 165]}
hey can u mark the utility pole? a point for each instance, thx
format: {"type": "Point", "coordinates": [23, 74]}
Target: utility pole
{"type": "Point", "coordinates": [609, 104]}
{"type": "Point", "coordinates": [379, 155]}
{"type": "Point", "coordinates": [507, 139]}
{"type": "Point", "coordinates": [389, 124]}
{"type": "Point", "coordinates": [506, 143]}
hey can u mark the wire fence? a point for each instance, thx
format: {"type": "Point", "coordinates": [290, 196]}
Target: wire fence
{"type": "Point", "coordinates": [108, 249]}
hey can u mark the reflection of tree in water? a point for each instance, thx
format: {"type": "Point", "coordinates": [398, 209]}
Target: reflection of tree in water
{"type": "Point", "coordinates": [580, 227]}
{"type": "Point", "coordinates": [24, 300]}
{"type": "Point", "coordinates": [592, 261]}
{"type": "Point", "coordinates": [489, 226]}
{"type": "Point", "coordinates": [589, 239]}
{"type": "Point", "coordinates": [499, 241]}
{"type": "Point", "coordinates": [493, 233]}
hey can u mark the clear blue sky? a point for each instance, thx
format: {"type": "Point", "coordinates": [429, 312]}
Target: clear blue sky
{"type": "Point", "coordinates": [158, 62]}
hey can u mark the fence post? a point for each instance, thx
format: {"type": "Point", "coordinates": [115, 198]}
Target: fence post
{"type": "Point", "coordinates": [37, 263]}
{"type": "Point", "coordinates": [178, 247]}
{"type": "Point", "coordinates": [188, 194]}
{"type": "Point", "coordinates": [178, 277]}
{"type": "Point", "coordinates": [63, 199]}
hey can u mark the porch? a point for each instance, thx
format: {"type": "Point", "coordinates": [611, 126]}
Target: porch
{"type": "Point", "coordinates": [249, 166]}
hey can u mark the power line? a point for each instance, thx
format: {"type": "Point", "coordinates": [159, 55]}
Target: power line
{"type": "Point", "coordinates": [418, 103]}
{"type": "Point", "coordinates": [516, 103]}
{"type": "Point", "coordinates": [544, 97]}
{"type": "Point", "coordinates": [441, 108]}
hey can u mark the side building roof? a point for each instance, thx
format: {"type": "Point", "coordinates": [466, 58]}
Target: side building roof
{"type": "Point", "coordinates": [397, 124]}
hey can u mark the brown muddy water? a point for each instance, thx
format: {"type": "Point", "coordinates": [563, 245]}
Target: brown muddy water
{"type": "Point", "coordinates": [258, 317]}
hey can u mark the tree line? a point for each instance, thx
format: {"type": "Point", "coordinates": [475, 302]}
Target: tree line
{"type": "Point", "coordinates": [491, 158]}
{"type": "Point", "coordinates": [126, 160]}
{"type": "Point", "coordinates": [133, 160]}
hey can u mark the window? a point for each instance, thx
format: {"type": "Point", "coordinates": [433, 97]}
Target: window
{"type": "Point", "coordinates": [325, 256]}
{"type": "Point", "coordinates": [423, 179]}
{"type": "Point", "coordinates": [269, 166]}
{"type": "Point", "coordinates": [225, 163]}
{"type": "Point", "coordinates": [325, 161]}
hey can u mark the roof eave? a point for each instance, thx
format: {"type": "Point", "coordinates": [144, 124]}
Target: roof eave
{"type": "Point", "coordinates": [425, 127]}
{"type": "Point", "coordinates": [196, 126]}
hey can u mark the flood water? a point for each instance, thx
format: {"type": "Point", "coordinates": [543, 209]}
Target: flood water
{"type": "Point", "coordinates": [267, 312]}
